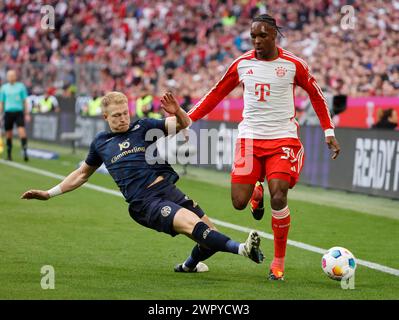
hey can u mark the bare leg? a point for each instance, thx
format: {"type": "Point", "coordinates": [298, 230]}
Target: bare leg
{"type": "Point", "coordinates": [241, 194]}
{"type": "Point", "coordinates": [278, 193]}
{"type": "Point", "coordinates": [21, 132]}
{"type": "Point", "coordinates": [185, 221]}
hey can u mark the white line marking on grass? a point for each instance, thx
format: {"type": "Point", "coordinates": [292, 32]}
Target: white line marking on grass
{"type": "Point", "coordinates": [58, 176]}
{"type": "Point", "coordinates": [360, 203]}
{"type": "Point", "coordinates": [269, 236]}
{"type": "Point", "coordinates": [307, 247]}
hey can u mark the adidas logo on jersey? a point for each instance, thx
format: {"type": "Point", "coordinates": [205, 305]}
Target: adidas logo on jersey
{"type": "Point", "coordinates": [250, 71]}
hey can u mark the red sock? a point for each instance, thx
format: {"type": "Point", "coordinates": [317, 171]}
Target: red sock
{"type": "Point", "coordinates": [280, 224]}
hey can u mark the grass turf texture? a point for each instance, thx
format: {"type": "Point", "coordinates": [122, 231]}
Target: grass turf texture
{"type": "Point", "coordinates": [99, 252]}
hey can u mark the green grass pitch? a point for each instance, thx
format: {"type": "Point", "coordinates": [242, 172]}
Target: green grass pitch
{"type": "Point", "coordinates": [99, 252]}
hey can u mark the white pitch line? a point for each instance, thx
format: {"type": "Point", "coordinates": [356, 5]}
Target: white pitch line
{"type": "Point", "coordinates": [58, 176]}
{"type": "Point", "coordinates": [308, 247]}
{"type": "Point", "coordinates": [269, 236]}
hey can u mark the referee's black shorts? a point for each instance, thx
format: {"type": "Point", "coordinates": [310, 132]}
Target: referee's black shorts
{"type": "Point", "coordinates": [13, 117]}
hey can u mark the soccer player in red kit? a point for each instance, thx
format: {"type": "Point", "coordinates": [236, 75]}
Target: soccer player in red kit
{"type": "Point", "coordinates": [268, 143]}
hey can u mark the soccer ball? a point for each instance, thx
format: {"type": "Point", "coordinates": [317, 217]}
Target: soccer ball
{"type": "Point", "coordinates": [338, 263]}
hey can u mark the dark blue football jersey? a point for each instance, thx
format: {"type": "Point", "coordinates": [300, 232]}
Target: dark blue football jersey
{"type": "Point", "coordinates": [130, 159]}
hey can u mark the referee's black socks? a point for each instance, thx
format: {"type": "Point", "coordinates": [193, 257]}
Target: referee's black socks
{"type": "Point", "coordinates": [24, 144]}
{"type": "Point", "coordinates": [9, 148]}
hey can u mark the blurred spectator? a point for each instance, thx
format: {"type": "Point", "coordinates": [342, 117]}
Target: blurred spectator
{"type": "Point", "coordinates": [386, 119]}
{"type": "Point", "coordinates": [145, 107]}
{"type": "Point", "coordinates": [187, 103]}
{"type": "Point", "coordinates": [185, 45]}
{"type": "Point", "coordinates": [93, 106]}
{"type": "Point", "coordinates": [47, 103]}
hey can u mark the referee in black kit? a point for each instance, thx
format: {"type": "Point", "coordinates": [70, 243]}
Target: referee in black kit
{"type": "Point", "coordinates": [13, 101]}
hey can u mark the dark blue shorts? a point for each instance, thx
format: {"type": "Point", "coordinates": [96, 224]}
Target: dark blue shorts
{"type": "Point", "coordinates": [159, 206]}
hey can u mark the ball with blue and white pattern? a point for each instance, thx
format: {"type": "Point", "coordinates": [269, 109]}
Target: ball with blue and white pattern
{"type": "Point", "coordinates": [339, 263]}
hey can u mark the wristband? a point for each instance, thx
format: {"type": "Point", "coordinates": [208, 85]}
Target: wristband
{"type": "Point", "coordinates": [329, 133]}
{"type": "Point", "coordinates": [55, 191]}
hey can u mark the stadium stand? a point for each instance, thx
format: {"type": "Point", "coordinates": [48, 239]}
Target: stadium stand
{"type": "Point", "coordinates": [187, 45]}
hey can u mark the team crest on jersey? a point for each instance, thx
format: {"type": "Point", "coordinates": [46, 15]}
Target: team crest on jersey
{"type": "Point", "coordinates": [280, 72]}
{"type": "Point", "coordinates": [165, 211]}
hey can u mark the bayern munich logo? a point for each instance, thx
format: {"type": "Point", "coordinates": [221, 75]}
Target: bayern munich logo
{"type": "Point", "coordinates": [281, 71]}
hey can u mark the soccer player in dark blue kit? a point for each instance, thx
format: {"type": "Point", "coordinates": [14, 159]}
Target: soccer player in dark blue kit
{"type": "Point", "coordinates": [149, 188]}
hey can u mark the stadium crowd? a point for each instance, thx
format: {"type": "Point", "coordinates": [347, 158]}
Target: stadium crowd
{"type": "Point", "coordinates": [151, 46]}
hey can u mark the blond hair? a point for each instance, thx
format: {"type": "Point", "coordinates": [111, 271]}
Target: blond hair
{"type": "Point", "coordinates": [113, 97]}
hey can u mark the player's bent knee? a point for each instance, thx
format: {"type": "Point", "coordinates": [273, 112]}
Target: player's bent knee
{"type": "Point", "coordinates": [206, 220]}
{"type": "Point", "coordinates": [278, 200]}
{"type": "Point", "coordinates": [241, 194]}
{"type": "Point", "coordinates": [184, 221]}
{"type": "Point", "coordinates": [239, 204]}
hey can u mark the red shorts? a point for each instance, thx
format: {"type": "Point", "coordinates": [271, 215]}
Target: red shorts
{"type": "Point", "coordinates": [276, 159]}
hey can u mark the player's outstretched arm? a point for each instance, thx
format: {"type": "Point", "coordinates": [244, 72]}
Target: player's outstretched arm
{"type": "Point", "coordinates": [73, 181]}
{"type": "Point", "coordinates": [180, 120]}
